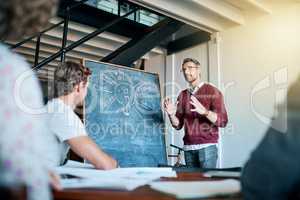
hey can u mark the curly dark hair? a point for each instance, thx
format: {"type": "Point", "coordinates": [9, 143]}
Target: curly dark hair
{"type": "Point", "coordinates": [19, 18]}
{"type": "Point", "coordinates": [68, 75]}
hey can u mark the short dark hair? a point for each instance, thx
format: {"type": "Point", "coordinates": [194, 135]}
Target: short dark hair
{"type": "Point", "coordinates": [19, 18]}
{"type": "Point", "coordinates": [68, 75]}
{"type": "Point", "coordinates": [193, 60]}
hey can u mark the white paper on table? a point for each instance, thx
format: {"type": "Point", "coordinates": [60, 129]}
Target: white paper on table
{"type": "Point", "coordinates": [85, 171]}
{"type": "Point", "coordinates": [164, 171]}
{"type": "Point", "coordinates": [115, 184]}
{"type": "Point", "coordinates": [228, 174]}
{"type": "Point", "coordinates": [75, 164]}
{"type": "Point", "coordinates": [137, 173]}
{"type": "Point", "coordinates": [146, 172]}
{"type": "Point", "coordinates": [120, 178]}
{"type": "Point", "coordinates": [198, 189]}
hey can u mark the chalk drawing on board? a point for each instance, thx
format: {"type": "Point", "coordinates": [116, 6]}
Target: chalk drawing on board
{"type": "Point", "coordinates": [124, 115]}
{"type": "Point", "coordinates": [116, 91]}
{"type": "Point", "coordinates": [144, 98]}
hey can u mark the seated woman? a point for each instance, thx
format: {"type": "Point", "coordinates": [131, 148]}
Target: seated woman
{"type": "Point", "coordinates": [71, 82]}
{"type": "Point", "coordinates": [23, 146]}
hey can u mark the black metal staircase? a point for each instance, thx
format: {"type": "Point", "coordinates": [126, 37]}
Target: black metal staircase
{"type": "Point", "coordinates": [136, 48]}
{"type": "Point", "coordinates": [143, 38]}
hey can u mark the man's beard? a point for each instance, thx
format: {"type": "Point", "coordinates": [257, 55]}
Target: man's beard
{"type": "Point", "coordinates": [190, 79]}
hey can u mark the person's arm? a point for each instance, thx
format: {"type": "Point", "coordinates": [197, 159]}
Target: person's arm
{"type": "Point", "coordinates": [173, 119]}
{"type": "Point", "coordinates": [171, 110]}
{"type": "Point", "coordinates": [218, 107]}
{"type": "Point", "coordinates": [212, 116]}
{"type": "Point", "coordinates": [218, 114]}
{"type": "Point", "coordinates": [87, 149]}
{"type": "Point", "coordinates": [199, 108]}
{"type": "Point", "coordinates": [220, 110]}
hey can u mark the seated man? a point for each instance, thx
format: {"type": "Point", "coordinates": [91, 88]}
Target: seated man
{"type": "Point", "coordinates": [272, 172]}
{"type": "Point", "coordinates": [71, 82]}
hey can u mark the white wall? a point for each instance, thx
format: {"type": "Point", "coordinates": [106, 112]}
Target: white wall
{"type": "Point", "coordinates": [157, 64]}
{"type": "Point", "coordinates": [251, 56]}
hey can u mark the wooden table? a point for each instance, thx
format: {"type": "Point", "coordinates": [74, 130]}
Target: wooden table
{"type": "Point", "coordinates": [141, 193]}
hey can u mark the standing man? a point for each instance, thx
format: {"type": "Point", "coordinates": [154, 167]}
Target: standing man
{"type": "Point", "coordinates": [201, 110]}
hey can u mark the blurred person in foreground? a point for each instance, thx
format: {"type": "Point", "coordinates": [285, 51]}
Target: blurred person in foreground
{"type": "Point", "coordinates": [23, 135]}
{"type": "Point", "coordinates": [272, 172]}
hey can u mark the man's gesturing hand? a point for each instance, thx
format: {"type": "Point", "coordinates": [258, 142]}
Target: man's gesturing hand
{"type": "Point", "coordinates": [169, 107]}
{"type": "Point", "coordinates": [198, 107]}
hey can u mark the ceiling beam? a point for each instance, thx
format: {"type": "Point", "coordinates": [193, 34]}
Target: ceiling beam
{"type": "Point", "coordinates": [250, 5]}
{"type": "Point", "coordinates": [222, 9]}
{"type": "Point", "coordinates": [188, 41]}
{"type": "Point", "coordinates": [190, 13]}
{"type": "Point", "coordinates": [136, 48]}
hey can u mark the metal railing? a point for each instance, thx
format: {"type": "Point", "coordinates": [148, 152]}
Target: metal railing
{"type": "Point", "coordinates": [64, 48]}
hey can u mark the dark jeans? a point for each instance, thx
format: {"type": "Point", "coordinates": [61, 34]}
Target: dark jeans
{"type": "Point", "coordinates": [202, 158]}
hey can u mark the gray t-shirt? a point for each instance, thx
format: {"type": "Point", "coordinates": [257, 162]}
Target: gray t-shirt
{"type": "Point", "coordinates": [64, 124]}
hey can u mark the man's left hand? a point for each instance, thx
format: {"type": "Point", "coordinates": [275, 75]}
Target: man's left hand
{"type": "Point", "coordinates": [198, 107]}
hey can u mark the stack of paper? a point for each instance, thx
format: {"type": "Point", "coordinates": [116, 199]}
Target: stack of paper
{"type": "Point", "coordinates": [198, 189]}
{"type": "Point", "coordinates": [75, 164]}
{"type": "Point", "coordinates": [112, 184]}
{"type": "Point", "coordinates": [120, 178]}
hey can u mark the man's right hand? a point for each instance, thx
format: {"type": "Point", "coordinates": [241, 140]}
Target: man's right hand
{"type": "Point", "coordinates": [169, 107]}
